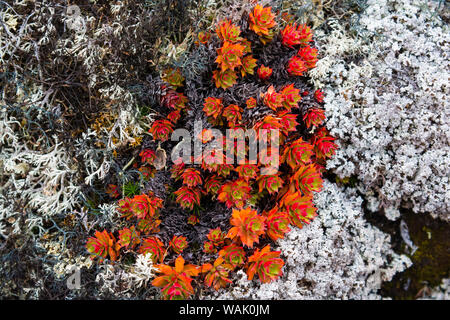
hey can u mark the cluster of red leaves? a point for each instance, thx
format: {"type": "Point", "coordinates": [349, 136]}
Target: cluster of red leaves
{"type": "Point", "coordinates": [301, 161]}
{"type": "Point", "coordinates": [241, 186]}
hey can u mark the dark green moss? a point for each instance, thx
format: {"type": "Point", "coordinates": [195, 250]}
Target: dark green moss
{"type": "Point", "coordinates": [431, 261]}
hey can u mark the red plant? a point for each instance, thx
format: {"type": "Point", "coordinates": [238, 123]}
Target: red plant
{"type": "Point", "coordinates": [248, 65]}
{"type": "Point", "coordinates": [191, 177]}
{"type": "Point", "coordinates": [247, 225]}
{"type": "Point", "coordinates": [174, 77]}
{"type": "Point", "coordinates": [102, 245]}
{"type": "Point", "coordinates": [234, 193]}
{"type": "Point", "coordinates": [318, 94]}
{"type": "Point", "coordinates": [203, 37]}
{"type": "Point", "coordinates": [227, 31]}
{"type": "Point", "coordinates": [176, 282]}
{"type": "Point", "coordinates": [187, 197]}
{"type": "Point", "coordinates": [309, 55]}
{"type": "Point", "coordinates": [299, 152]}
{"type": "Point", "coordinates": [306, 179]}
{"type": "Point", "coordinates": [145, 206]}
{"type": "Point", "coordinates": [271, 183]}
{"type": "Point", "coordinates": [300, 208]}
{"type": "Point", "coordinates": [129, 237]}
{"type": "Point", "coordinates": [161, 129]}
{"type": "Point", "coordinates": [217, 274]}
{"type": "Point", "coordinates": [290, 97]}
{"type": "Point", "coordinates": [261, 20]}
{"type": "Point", "coordinates": [247, 171]}
{"type": "Point", "coordinates": [213, 184]}
{"type": "Point", "coordinates": [216, 236]}
{"type": "Point", "coordinates": [225, 79]}
{"type": "Point", "coordinates": [208, 247]}
{"type": "Point", "coordinates": [153, 246]}
{"type": "Point", "coordinates": [147, 156]}
{"type": "Point", "coordinates": [266, 264]}
{"type": "Point", "coordinates": [277, 224]}
{"type": "Point", "coordinates": [297, 66]}
{"type": "Point", "coordinates": [251, 103]}
{"type": "Point", "coordinates": [233, 114]}
{"type": "Point", "coordinates": [213, 107]}
{"type": "Point", "coordinates": [229, 56]}
{"type": "Point", "coordinates": [233, 255]}
{"type": "Point", "coordinates": [178, 244]}
{"type": "Point", "coordinates": [193, 219]}
{"type": "Point", "coordinates": [295, 35]}
{"type": "Point", "coordinates": [324, 147]}
{"type": "Point", "coordinates": [314, 117]}
{"type": "Point", "coordinates": [264, 72]}
{"type": "Point", "coordinates": [174, 116]}
{"type": "Point", "coordinates": [272, 99]}
{"type": "Point", "coordinates": [288, 121]}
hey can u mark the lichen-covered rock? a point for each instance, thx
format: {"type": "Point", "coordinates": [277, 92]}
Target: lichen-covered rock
{"type": "Point", "coordinates": [338, 256]}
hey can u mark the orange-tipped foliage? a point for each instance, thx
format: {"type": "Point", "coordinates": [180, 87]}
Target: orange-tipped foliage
{"type": "Point", "coordinates": [174, 116]}
{"type": "Point", "coordinates": [247, 225]}
{"type": "Point", "coordinates": [248, 65]}
{"type": "Point", "coordinates": [247, 171]}
{"type": "Point", "coordinates": [102, 245]}
{"type": "Point", "coordinates": [213, 184]}
{"type": "Point", "coordinates": [277, 224]}
{"type": "Point", "coordinates": [129, 237]}
{"type": "Point", "coordinates": [150, 225]}
{"type": "Point", "coordinates": [288, 122]}
{"type": "Point", "coordinates": [216, 236]}
{"type": "Point", "coordinates": [147, 156]}
{"type": "Point", "coordinates": [227, 31]}
{"type": "Point", "coordinates": [295, 35]}
{"type": "Point", "coordinates": [224, 79]}
{"type": "Point", "coordinates": [174, 77]}
{"type": "Point", "coordinates": [193, 219]}
{"type": "Point", "coordinates": [217, 274]}
{"type": "Point", "coordinates": [233, 255]}
{"type": "Point", "coordinates": [309, 55]}
{"type": "Point", "coordinates": [318, 94]}
{"type": "Point", "coordinates": [174, 100]}
{"type": "Point", "coordinates": [178, 244]}
{"type": "Point", "coordinates": [175, 283]}
{"type": "Point", "coordinates": [306, 179]}
{"type": "Point", "coordinates": [235, 193]}
{"type": "Point", "coordinates": [213, 107]}
{"type": "Point", "coordinates": [154, 247]}
{"type": "Point", "coordinates": [300, 208]}
{"type": "Point", "coordinates": [145, 206]}
{"type": "Point", "coordinates": [297, 66]}
{"type": "Point", "coordinates": [177, 169]}
{"type": "Point", "coordinates": [262, 20]}
{"type": "Point", "coordinates": [209, 247]}
{"type": "Point", "coordinates": [203, 37]}
{"type": "Point", "coordinates": [233, 114]}
{"type": "Point", "coordinates": [187, 197]}
{"type": "Point", "coordinates": [290, 97]}
{"type": "Point", "coordinates": [251, 103]}
{"type": "Point", "coordinates": [314, 117]}
{"type": "Point", "coordinates": [161, 129]}
{"type": "Point", "coordinates": [299, 152]}
{"type": "Point", "coordinates": [191, 177]}
{"type": "Point", "coordinates": [266, 264]}
{"type": "Point", "coordinates": [272, 99]}
{"type": "Point", "coordinates": [324, 147]}
{"type": "Point", "coordinates": [271, 183]}
{"type": "Point", "coordinates": [229, 56]}
{"type": "Point", "coordinates": [264, 72]}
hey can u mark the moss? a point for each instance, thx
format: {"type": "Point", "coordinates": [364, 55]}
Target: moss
{"type": "Point", "coordinates": [431, 261]}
